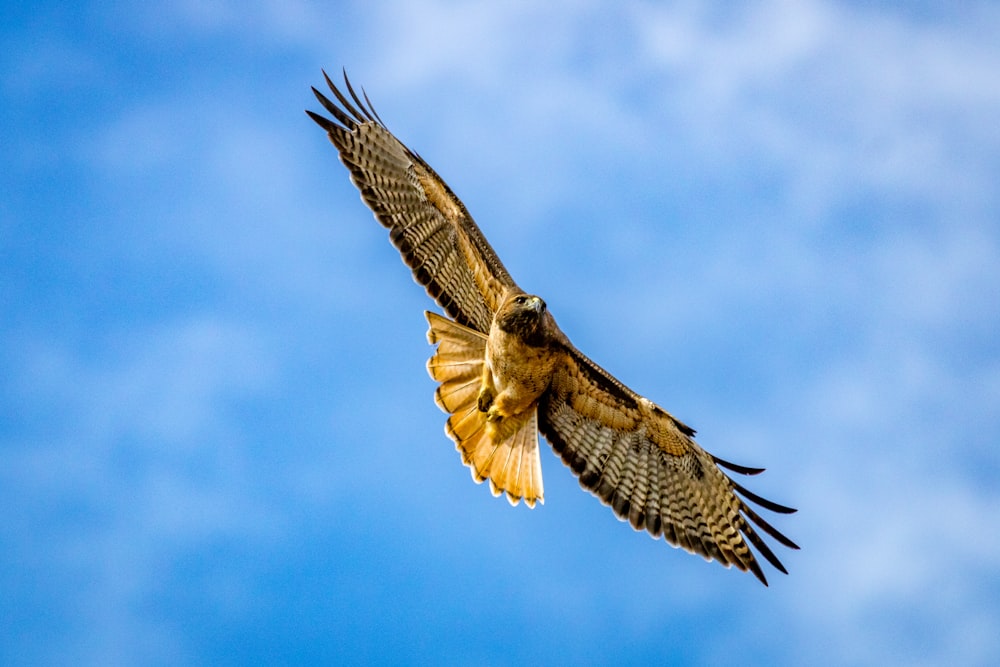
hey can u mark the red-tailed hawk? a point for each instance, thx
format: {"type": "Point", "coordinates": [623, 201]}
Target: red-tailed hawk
{"type": "Point", "coordinates": [506, 371]}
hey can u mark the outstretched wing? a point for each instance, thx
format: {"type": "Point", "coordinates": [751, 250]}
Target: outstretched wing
{"type": "Point", "coordinates": [641, 461]}
{"type": "Point", "coordinates": [429, 225]}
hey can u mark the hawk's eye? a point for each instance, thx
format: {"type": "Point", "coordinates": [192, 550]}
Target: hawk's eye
{"type": "Point", "coordinates": [520, 299]}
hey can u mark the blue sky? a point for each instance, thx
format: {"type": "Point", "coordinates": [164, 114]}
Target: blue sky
{"type": "Point", "coordinates": [218, 443]}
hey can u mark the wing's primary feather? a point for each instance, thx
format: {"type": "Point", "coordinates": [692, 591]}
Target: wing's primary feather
{"type": "Point", "coordinates": [642, 461]}
{"type": "Point", "coordinates": [430, 226]}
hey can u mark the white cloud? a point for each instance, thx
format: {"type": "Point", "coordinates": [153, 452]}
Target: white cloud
{"type": "Point", "coordinates": [902, 544]}
{"type": "Point", "coordinates": [162, 384]}
{"type": "Point", "coordinates": [842, 97]}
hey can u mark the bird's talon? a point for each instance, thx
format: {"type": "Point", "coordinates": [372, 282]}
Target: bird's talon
{"type": "Point", "coordinates": [485, 400]}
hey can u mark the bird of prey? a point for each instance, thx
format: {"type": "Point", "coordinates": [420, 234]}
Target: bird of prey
{"type": "Point", "coordinates": [506, 371]}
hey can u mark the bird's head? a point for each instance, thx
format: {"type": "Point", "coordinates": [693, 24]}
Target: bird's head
{"type": "Point", "coordinates": [525, 316]}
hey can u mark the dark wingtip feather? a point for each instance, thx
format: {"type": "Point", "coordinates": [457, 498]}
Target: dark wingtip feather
{"type": "Point", "coordinates": [762, 546]}
{"type": "Point", "coordinates": [329, 82]}
{"type": "Point", "coordinates": [735, 467]}
{"type": "Point", "coordinates": [334, 110]}
{"type": "Point", "coordinates": [366, 110]}
{"type": "Point", "coordinates": [755, 568]}
{"type": "Point", "coordinates": [763, 502]}
{"type": "Point", "coordinates": [359, 116]}
{"type": "Point", "coordinates": [323, 121]}
{"type": "Point", "coordinates": [371, 107]}
{"type": "Point", "coordinates": [768, 528]}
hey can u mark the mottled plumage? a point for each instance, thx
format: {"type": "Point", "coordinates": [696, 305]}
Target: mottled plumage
{"type": "Point", "coordinates": [506, 370]}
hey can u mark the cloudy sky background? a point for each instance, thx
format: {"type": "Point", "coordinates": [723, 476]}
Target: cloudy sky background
{"type": "Point", "coordinates": [217, 438]}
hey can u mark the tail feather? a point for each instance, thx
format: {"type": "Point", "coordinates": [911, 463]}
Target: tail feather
{"type": "Point", "coordinates": [506, 453]}
{"type": "Point", "coordinates": [516, 466]}
{"type": "Point", "coordinates": [452, 395]}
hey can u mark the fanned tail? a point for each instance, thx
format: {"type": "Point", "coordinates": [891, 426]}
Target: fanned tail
{"type": "Point", "coordinates": [507, 454]}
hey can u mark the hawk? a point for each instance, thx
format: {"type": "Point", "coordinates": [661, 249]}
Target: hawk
{"type": "Point", "coordinates": [507, 372]}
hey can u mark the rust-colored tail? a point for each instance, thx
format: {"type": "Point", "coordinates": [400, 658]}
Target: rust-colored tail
{"type": "Point", "coordinates": [507, 455]}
